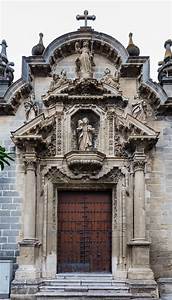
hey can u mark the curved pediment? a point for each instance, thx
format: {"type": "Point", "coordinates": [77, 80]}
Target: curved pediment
{"type": "Point", "coordinates": [101, 43]}
{"type": "Point", "coordinates": [110, 64]}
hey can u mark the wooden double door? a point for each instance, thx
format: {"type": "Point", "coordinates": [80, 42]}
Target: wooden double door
{"type": "Point", "coordinates": [84, 231]}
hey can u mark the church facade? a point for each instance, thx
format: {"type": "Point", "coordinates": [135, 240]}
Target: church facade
{"type": "Point", "coordinates": [86, 206]}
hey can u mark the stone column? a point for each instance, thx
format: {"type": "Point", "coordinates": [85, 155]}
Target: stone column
{"type": "Point", "coordinates": [140, 267]}
{"type": "Point", "coordinates": [139, 199]}
{"type": "Point", "coordinates": [29, 247]}
{"type": "Point", "coordinates": [30, 197]}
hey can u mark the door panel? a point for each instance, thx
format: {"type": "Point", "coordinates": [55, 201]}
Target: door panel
{"type": "Point", "coordinates": [84, 231]}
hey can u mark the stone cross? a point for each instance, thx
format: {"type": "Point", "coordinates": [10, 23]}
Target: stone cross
{"type": "Point", "coordinates": [85, 17]}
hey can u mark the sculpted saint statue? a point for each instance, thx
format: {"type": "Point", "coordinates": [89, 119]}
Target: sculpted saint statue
{"type": "Point", "coordinates": [85, 135]}
{"type": "Point", "coordinates": [84, 61]}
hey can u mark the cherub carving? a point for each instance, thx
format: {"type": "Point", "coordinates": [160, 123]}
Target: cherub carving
{"type": "Point", "coordinates": [110, 79]}
{"type": "Point", "coordinates": [58, 80]}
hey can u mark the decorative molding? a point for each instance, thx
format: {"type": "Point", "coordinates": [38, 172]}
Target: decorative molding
{"type": "Point", "coordinates": [85, 162]}
{"type": "Point", "coordinates": [110, 119]}
{"type": "Point", "coordinates": [23, 91]}
{"type": "Point", "coordinates": [112, 176]}
{"type": "Point", "coordinates": [59, 132]}
{"type": "Point", "coordinates": [57, 176]}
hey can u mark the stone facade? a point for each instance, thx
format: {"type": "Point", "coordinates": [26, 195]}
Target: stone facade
{"type": "Point", "coordinates": [85, 115]}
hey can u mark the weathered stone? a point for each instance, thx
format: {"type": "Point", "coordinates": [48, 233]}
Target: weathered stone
{"type": "Point", "coordinates": [127, 150]}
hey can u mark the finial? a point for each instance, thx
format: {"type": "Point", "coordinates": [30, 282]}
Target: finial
{"type": "Point", "coordinates": [132, 49]}
{"type": "Point", "coordinates": [39, 48]}
{"type": "Point", "coordinates": [3, 50]}
{"type": "Point", "coordinates": [131, 39]}
{"type": "Point", "coordinates": [41, 38]}
{"type": "Point", "coordinates": [167, 46]}
{"type": "Point", "coordinates": [6, 70]}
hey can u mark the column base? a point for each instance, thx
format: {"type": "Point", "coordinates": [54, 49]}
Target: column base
{"type": "Point", "coordinates": [29, 266]}
{"type": "Point", "coordinates": [140, 274]}
{"type": "Point", "coordinates": [140, 267]}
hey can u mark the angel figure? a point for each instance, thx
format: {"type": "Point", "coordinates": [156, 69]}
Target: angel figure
{"type": "Point", "coordinates": [108, 78]}
{"type": "Point", "coordinates": [58, 80]}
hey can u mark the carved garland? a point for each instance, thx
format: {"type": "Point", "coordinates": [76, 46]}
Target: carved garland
{"type": "Point", "coordinates": [59, 134]}
{"type": "Point", "coordinates": [111, 134]}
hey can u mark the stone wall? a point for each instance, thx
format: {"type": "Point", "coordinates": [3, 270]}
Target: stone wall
{"type": "Point", "coordinates": [10, 195]}
{"type": "Point", "coordinates": [159, 200]}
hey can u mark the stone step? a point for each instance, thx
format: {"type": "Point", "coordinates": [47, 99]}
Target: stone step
{"type": "Point", "coordinates": [83, 282]}
{"type": "Point", "coordinates": [80, 286]}
{"type": "Point", "coordinates": [86, 288]}
{"type": "Point", "coordinates": [82, 295]}
{"type": "Point", "coordinates": [84, 275]}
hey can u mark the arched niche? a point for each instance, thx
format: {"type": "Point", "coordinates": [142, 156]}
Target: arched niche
{"type": "Point", "coordinates": [94, 121]}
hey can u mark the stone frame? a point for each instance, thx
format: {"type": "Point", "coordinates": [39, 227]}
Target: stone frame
{"type": "Point", "coordinates": [50, 221]}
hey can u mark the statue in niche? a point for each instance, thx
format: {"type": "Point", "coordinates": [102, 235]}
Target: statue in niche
{"type": "Point", "coordinates": [110, 79]}
{"type": "Point", "coordinates": [139, 109]}
{"type": "Point", "coordinates": [58, 80]}
{"type": "Point", "coordinates": [85, 135]}
{"type": "Point", "coordinates": [84, 61]}
{"type": "Point", "coordinates": [31, 108]}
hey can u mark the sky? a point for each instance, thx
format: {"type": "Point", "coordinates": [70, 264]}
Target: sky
{"type": "Point", "coordinates": [149, 21]}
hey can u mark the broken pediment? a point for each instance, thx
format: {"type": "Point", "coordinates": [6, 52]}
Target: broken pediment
{"type": "Point", "coordinates": [39, 132]}
{"type": "Point", "coordinates": [133, 133]}
{"type": "Point", "coordinates": [121, 132]}
{"type": "Point", "coordinates": [90, 90]}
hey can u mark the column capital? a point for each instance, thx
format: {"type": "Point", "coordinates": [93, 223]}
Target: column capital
{"type": "Point", "coordinates": [139, 165]}
{"type": "Point", "coordinates": [30, 161]}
